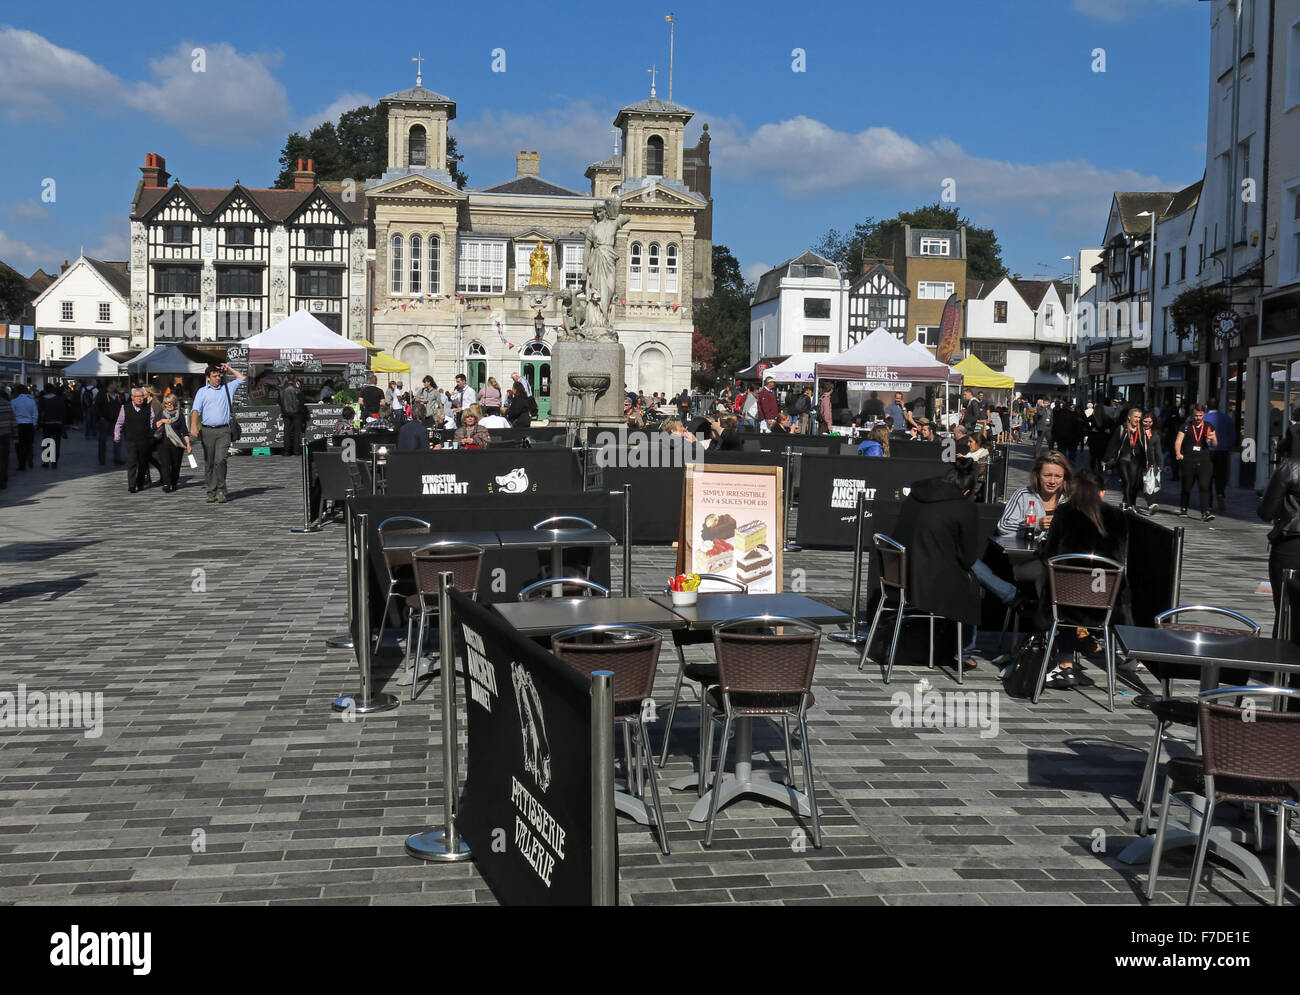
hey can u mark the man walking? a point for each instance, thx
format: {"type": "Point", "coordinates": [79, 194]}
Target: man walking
{"type": "Point", "coordinates": [371, 398]}
{"type": "Point", "coordinates": [462, 397]}
{"type": "Point", "coordinates": [107, 407]}
{"type": "Point", "coordinates": [803, 405]}
{"type": "Point", "coordinates": [135, 427]}
{"type": "Point", "coordinates": [295, 415]}
{"type": "Point", "coordinates": [768, 408]}
{"type": "Point", "coordinates": [212, 404]}
{"type": "Point", "coordinates": [1225, 433]}
{"type": "Point", "coordinates": [25, 424]}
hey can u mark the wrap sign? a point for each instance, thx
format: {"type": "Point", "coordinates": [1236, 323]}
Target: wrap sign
{"type": "Point", "coordinates": [526, 807]}
{"type": "Point", "coordinates": [259, 426]}
{"type": "Point", "coordinates": [321, 419]}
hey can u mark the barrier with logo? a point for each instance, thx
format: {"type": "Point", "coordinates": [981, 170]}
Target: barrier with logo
{"type": "Point", "coordinates": [527, 807]}
{"type": "Point", "coordinates": [529, 474]}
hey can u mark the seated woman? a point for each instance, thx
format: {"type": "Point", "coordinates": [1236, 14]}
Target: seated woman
{"type": "Point", "coordinates": [1049, 487]}
{"type": "Point", "coordinates": [728, 439]}
{"type": "Point", "coordinates": [979, 449]}
{"type": "Point", "coordinates": [675, 428]}
{"type": "Point", "coordinates": [472, 435]}
{"type": "Point", "coordinates": [1086, 525]}
{"type": "Point", "coordinates": [782, 424]}
{"type": "Point", "coordinates": [939, 526]}
{"type": "Point", "coordinates": [876, 443]}
{"type": "Point", "coordinates": [346, 424]}
{"type": "Point", "coordinates": [413, 435]}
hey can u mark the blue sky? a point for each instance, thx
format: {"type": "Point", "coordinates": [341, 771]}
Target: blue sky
{"type": "Point", "coordinates": [1000, 97]}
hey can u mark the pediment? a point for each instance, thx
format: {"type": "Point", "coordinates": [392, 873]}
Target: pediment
{"type": "Point", "coordinates": [659, 196]}
{"type": "Point", "coordinates": [415, 186]}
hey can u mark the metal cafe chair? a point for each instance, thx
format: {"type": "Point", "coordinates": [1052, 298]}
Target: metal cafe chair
{"type": "Point", "coordinates": [1170, 711]}
{"type": "Point", "coordinates": [1083, 582]}
{"type": "Point", "coordinates": [464, 560]}
{"type": "Point", "coordinates": [396, 561]}
{"type": "Point", "coordinates": [570, 587]}
{"type": "Point", "coordinates": [631, 652]}
{"type": "Point", "coordinates": [1246, 757]}
{"type": "Point", "coordinates": [703, 674]}
{"type": "Point", "coordinates": [545, 560]}
{"type": "Point", "coordinates": [893, 598]}
{"type": "Point", "coordinates": [767, 670]}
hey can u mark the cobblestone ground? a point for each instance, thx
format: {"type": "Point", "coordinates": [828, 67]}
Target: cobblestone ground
{"type": "Point", "coordinates": [222, 775]}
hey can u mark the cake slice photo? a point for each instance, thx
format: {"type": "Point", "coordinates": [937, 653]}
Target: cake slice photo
{"type": "Point", "coordinates": [751, 535]}
{"type": "Point", "coordinates": [717, 557]}
{"type": "Point", "coordinates": [754, 565]}
{"type": "Point", "coordinates": [718, 527]}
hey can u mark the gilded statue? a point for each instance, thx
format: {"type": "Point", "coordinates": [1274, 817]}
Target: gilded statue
{"type": "Point", "coordinates": [539, 264]}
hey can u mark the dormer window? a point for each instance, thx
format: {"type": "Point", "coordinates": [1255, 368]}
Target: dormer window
{"type": "Point", "coordinates": [654, 156]}
{"type": "Point", "coordinates": [934, 246]}
{"type": "Point", "coordinates": [418, 147]}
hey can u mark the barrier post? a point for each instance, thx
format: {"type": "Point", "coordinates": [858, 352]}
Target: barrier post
{"type": "Point", "coordinates": [306, 525]}
{"type": "Point", "coordinates": [445, 845]}
{"type": "Point", "coordinates": [790, 545]}
{"type": "Point", "coordinates": [627, 540]}
{"type": "Point", "coordinates": [852, 636]}
{"type": "Point", "coordinates": [343, 641]}
{"type": "Point", "coordinates": [604, 866]}
{"type": "Point", "coordinates": [368, 701]}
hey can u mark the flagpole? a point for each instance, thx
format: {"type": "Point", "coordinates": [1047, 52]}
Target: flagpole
{"type": "Point", "coordinates": [672, 26]}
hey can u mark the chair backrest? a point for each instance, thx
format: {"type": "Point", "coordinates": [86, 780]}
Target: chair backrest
{"type": "Point", "coordinates": [396, 526]}
{"type": "Point", "coordinates": [893, 561]}
{"type": "Point", "coordinates": [563, 522]}
{"type": "Point", "coordinates": [1250, 743]}
{"type": "Point", "coordinates": [766, 662]}
{"type": "Point", "coordinates": [727, 584]}
{"type": "Point", "coordinates": [1171, 620]}
{"type": "Point", "coordinates": [570, 587]}
{"type": "Point", "coordinates": [1084, 580]}
{"type": "Point", "coordinates": [463, 559]}
{"type": "Point", "coordinates": [630, 651]}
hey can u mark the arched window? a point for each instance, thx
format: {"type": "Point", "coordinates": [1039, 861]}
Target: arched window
{"type": "Point", "coordinates": [634, 266]}
{"type": "Point", "coordinates": [476, 364]}
{"type": "Point", "coordinates": [652, 269]}
{"type": "Point", "coordinates": [670, 268]}
{"type": "Point", "coordinates": [435, 265]}
{"type": "Point", "coordinates": [537, 349]}
{"type": "Point", "coordinates": [654, 156]}
{"type": "Point", "coordinates": [417, 146]}
{"type": "Point", "coordinates": [416, 246]}
{"type": "Point", "coordinates": [395, 265]}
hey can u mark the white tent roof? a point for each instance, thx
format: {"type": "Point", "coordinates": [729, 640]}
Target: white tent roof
{"type": "Point", "coordinates": [164, 359]}
{"type": "Point", "coordinates": [92, 364]}
{"type": "Point", "coordinates": [798, 368]}
{"type": "Point", "coordinates": [302, 334]}
{"type": "Point", "coordinates": [880, 357]}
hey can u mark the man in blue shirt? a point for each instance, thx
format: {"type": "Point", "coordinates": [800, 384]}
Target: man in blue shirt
{"type": "Point", "coordinates": [1226, 434]}
{"type": "Point", "coordinates": [212, 404]}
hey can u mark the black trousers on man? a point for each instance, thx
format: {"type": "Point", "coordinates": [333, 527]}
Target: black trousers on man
{"type": "Point", "coordinates": [1219, 461]}
{"type": "Point", "coordinates": [6, 442]}
{"type": "Point", "coordinates": [137, 462]}
{"type": "Point", "coordinates": [294, 427]}
{"type": "Point", "coordinates": [1196, 470]}
{"type": "Point", "coordinates": [26, 433]}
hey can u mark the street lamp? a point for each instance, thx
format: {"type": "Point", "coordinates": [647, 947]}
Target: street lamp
{"type": "Point", "coordinates": [539, 325]}
{"type": "Point", "coordinates": [1151, 302]}
{"type": "Point", "coordinates": [1071, 326]}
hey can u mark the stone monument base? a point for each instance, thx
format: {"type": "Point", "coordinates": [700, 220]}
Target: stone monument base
{"type": "Point", "coordinates": [594, 358]}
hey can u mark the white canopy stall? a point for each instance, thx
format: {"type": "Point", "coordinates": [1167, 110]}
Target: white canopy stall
{"type": "Point", "coordinates": [801, 368]}
{"type": "Point", "coordinates": [880, 362]}
{"type": "Point", "coordinates": [302, 336]}
{"type": "Point", "coordinates": [93, 365]}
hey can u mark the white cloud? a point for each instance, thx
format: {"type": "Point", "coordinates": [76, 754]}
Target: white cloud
{"type": "Point", "coordinates": [115, 243]}
{"type": "Point", "coordinates": [26, 257]}
{"type": "Point", "coordinates": [1118, 10]}
{"type": "Point", "coordinates": [235, 98]}
{"type": "Point", "coordinates": [28, 210]}
{"type": "Point", "coordinates": [754, 270]}
{"type": "Point", "coordinates": [569, 137]}
{"type": "Point", "coordinates": [345, 101]}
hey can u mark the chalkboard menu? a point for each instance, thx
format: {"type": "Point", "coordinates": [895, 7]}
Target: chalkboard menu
{"type": "Point", "coordinates": [321, 419]}
{"type": "Point", "coordinates": [357, 374]}
{"type": "Point", "coordinates": [296, 365]}
{"type": "Point", "coordinates": [237, 358]}
{"type": "Point", "coordinates": [259, 425]}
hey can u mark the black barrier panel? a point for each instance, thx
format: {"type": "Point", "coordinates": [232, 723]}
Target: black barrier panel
{"type": "Point", "coordinates": [526, 807]}
{"type": "Point", "coordinates": [505, 571]}
{"type": "Point", "coordinates": [321, 419]}
{"type": "Point", "coordinates": [761, 442]}
{"type": "Point", "coordinates": [547, 435]}
{"type": "Point", "coordinates": [828, 497]}
{"type": "Point", "coordinates": [750, 458]}
{"type": "Point", "coordinates": [510, 474]}
{"type": "Point", "coordinates": [912, 449]}
{"type": "Point", "coordinates": [1154, 554]}
{"type": "Point", "coordinates": [259, 425]}
{"type": "Point", "coordinates": [656, 500]}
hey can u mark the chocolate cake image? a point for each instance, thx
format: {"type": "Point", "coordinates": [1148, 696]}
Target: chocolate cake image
{"type": "Point", "coordinates": [754, 565]}
{"type": "Point", "coordinates": [718, 527]}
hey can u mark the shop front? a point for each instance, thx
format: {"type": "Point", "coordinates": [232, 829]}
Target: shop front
{"type": "Point", "coordinates": [1276, 365]}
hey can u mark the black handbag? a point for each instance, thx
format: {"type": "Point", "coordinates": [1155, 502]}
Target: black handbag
{"type": "Point", "coordinates": [1021, 673]}
{"type": "Point", "coordinates": [234, 425]}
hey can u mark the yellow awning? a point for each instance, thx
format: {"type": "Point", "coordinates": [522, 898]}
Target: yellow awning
{"type": "Point", "coordinates": [382, 362]}
{"type": "Point", "coordinates": [975, 373]}
{"type": "Point", "coordinates": [368, 345]}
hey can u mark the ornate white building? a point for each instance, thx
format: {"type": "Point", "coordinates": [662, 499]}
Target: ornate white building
{"type": "Point", "coordinates": [451, 266]}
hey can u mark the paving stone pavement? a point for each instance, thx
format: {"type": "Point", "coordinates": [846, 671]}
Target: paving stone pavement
{"type": "Point", "coordinates": [223, 776]}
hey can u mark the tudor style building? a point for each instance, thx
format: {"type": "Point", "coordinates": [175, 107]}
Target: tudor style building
{"type": "Point", "coordinates": [451, 266]}
{"type": "Point", "coordinates": [218, 264]}
{"type": "Point", "coordinates": [877, 299]}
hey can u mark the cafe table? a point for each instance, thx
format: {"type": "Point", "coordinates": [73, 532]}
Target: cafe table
{"type": "Point", "coordinates": [708, 611]}
{"type": "Point", "coordinates": [1018, 548]}
{"type": "Point", "coordinates": [1211, 652]}
{"type": "Point", "coordinates": [557, 541]}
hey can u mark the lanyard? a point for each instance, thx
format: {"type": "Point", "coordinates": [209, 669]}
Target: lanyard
{"type": "Point", "coordinates": [1197, 436]}
{"type": "Point", "coordinates": [1133, 441]}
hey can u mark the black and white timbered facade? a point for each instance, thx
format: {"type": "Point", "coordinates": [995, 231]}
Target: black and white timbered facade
{"type": "Point", "coordinates": [878, 299]}
{"type": "Point", "coordinates": [220, 264]}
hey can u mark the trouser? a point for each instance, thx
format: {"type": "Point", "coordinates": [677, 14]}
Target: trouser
{"type": "Point", "coordinates": [6, 441]}
{"type": "Point", "coordinates": [106, 433]}
{"type": "Point", "coordinates": [48, 432]}
{"type": "Point", "coordinates": [1282, 554]}
{"type": "Point", "coordinates": [293, 426]}
{"type": "Point", "coordinates": [1003, 589]}
{"type": "Point", "coordinates": [216, 448]}
{"type": "Point", "coordinates": [137, 462]}
{"type": "Point", "coordinates": [1195, 469]}
{"type": "Point", "coordinates": [1219, 461]}
{"type": "Point", "coordinates": [804, 421]}
{"type": "Point", "coordinates": [89, 419]}
{"type": "Point", "coordinates": [26, 433]}
{"type": "Point", "coordinates": [169, 459]}
{"type": "Point", "coordinates": [1130, 472]}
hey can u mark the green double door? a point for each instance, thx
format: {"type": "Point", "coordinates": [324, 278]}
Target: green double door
{"type": "Point", "coordinates": [538, 374]}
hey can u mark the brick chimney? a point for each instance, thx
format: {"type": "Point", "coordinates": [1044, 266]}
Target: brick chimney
{"type": "Point", "coordinates": [64, 267]}
{"type": "Point", "coordinates": [528, 164]}
{"type": "Point", "coordinates": [155, 170]}
{"type": "Point", "coordinates": [304, 177]}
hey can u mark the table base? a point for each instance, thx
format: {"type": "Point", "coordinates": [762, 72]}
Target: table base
{"type": "Point", "coordinates": [1224, 842]}
{"type": "Point", "coordinates": [432, 845]}
{"type": "Point", "coordinates": [343, 641]}
{"type": "Point", "coordinates": [760, 785]}
{"type": "Point", "coordinates": [378, 703]}
{"type": "Point", "coordinates": [848, 637]}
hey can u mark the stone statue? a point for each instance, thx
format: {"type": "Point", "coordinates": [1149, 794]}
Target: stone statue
{"type": "Point", "coordinates": [600, 263]}
{"type": "Point", "coordinates": [575, 313]}
{"type": "Point", "coordinates": [539, 264]}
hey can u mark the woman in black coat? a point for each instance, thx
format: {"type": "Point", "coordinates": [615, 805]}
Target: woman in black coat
{"type": "Point", "coordinates": [939, 526]}
{"type": "Point", "coordinates": [1155, 457]}
{"type": "Point", "coordinates": [519, 413]}
{"type": "Point", "coordinates": [1281, 506]}
{"type": "Point", "coordinates": [1085, 525]}
{"type": "Point", "coordinates": [1128, 451]}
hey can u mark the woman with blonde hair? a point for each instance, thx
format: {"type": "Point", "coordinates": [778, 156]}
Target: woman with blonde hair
{"type": "Point", "coordinates": [489, 396]}
{"type": "Point", "coordinates": [876, 443]}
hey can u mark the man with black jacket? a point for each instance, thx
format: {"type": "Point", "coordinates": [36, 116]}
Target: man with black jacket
{"type": "Point", "coordinates": [1281, 506]}
{"type": "Point", "coordinates": [108, 405]}
{"type": "Point", "coordinates": [295, 415]}
{"type": "Point", "coordinates": [135, 427]}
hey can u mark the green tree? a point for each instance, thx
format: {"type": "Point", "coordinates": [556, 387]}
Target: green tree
{"type": "Point", "coordinates": [357, 148]}
{"type": "Point", "coordinates": [722, 320]}
{"type": "Point", "coordinates": [866, 241]}
{"type": "Point", "coordinates": [15, 294]}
